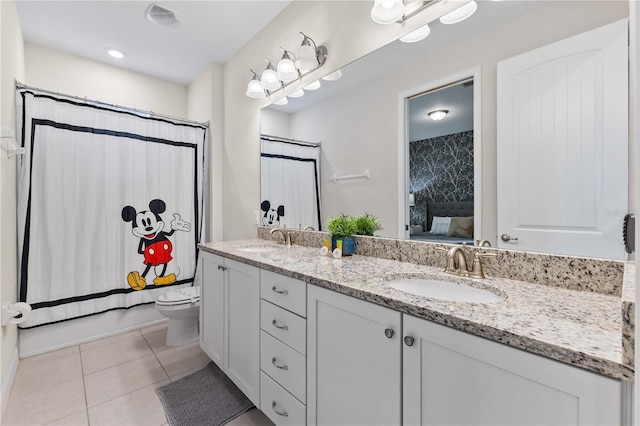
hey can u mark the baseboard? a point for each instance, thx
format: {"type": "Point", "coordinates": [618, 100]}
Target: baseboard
{"type": "Point", "coordinates": [8, 378]}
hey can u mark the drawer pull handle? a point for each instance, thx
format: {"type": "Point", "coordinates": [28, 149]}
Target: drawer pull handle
{"type": "Point", "coordinates": [389, 333]}
{"type": "Point", "coordinates": [274, 361]}
{"type": "Point", "coordinates": [280, 413]}
{"type": "Point", "coordinates": [222, 268]}
{"type": "Point", "coordinates": [408, 340]}
{"type": "Point", "coordinates": [281, 327]}
{"type": "Point", "coordinates": [275, 290]}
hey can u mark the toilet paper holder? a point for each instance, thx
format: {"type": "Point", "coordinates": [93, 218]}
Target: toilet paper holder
{"type": "Point", "coordinates": [14, 313]}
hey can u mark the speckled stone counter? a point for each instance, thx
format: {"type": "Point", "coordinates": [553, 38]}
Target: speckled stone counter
{"type": "Point", "coordinates": [581, 328]}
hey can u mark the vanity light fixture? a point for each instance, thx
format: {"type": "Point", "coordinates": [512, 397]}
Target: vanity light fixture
{"type": "Point", "coordinates": [460, 14]}
{"type": "Point", "coordinates": [116, 53]}
{"type": "Point", "coordinates": [313, 86]}
{"type": "Point", "coordinates": [297, 94]}
{"type": "Point", "coordinates": [286, 68]}
{"type": "Point", "coordinates": [309, 57]}
{"type": "Point", "coordinates": [416, 35]}
{"type": "Point", "coordinates": [438, 115]}
{"type": "Point", "coordinates": [336, 75]}
{"type": "Point", "coordinates": [254, 88]}
{"type": "Point", "coordinates": [387, 11]}
{"type": "Point", "coordinates": [269, 79]}
{"type": "Point", "coordinates": [282, 101]}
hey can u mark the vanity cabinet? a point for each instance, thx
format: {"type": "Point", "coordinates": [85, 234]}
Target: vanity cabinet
{"type": "Point", "coordinates": [230, 320]}
{"type": "Point", "coordinates": [353, 361]}
{"type": "Point", "coordinates": [455, 378]}
{"type": "Point", "coordinates": [283, 363]}
{"type": "Point", "coordinates": [371, 365]}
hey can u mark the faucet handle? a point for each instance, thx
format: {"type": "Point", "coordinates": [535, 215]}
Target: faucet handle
{"type": "Point", "coordinates": [476, 271]}
{"type": "Point", "coordinates": [442, 249]}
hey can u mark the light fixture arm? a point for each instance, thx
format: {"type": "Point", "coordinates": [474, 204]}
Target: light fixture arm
{"type": "Point", "coordinates": [414, 11]}
{"type": "Point", "coordinates": [308, 39]}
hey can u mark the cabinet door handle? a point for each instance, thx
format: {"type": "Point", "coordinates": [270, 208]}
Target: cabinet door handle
{"type": "Point", "coordinates": [275, 290]}
{"type": "Point", "coordinates": [280, 413]}
{"type": "Point", "coordinates": [222, 268]}
{"type": "Point", "coordinates": [275, 363]}
{"type": "Point", "coordinates": [281, 327]}
{"type": "Point", "coordinates": [389, 333]}
{"type": "Point", "coordinates": [408, 340]}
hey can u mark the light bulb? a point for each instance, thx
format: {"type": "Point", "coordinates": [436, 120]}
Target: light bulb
{"type": "Point", "coordinates": [387, 11]}
{"type": "Point", "coordinates": [255, 90]}
{"type": "Point", "coordinates": [269, 80]}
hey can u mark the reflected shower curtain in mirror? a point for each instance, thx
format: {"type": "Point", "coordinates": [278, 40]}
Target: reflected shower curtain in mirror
{"type": "Point", "coordinates": [290, 183]}
{"type": "Point", "coordinates": [109, 206]}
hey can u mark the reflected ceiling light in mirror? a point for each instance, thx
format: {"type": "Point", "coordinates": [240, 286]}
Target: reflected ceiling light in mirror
{"type": "Point", "coordinates": [387, 11]}
{"type": "Point", "coordinates": [336, 75]}
{"type": "Point", "coordinates": [269, 80]}
{"type": "Point", "coordinates": [297, 94]}
{"type": "Point", "coordinates": [254, 88]}
{"type": "Point", "coordinates": [438, 114]}
{"type": "Point", "coordinates": [282, 101]}
{"type": "Point", "coordinates": [417, 35]}
{"type": "Point", "coordinates": [286, 68]}
{"type": "Point", "coordinates": [313, 86]}
{"type": "Point", "coordinates": [459, 14]}
{"type": "Point", "coordinates": [115, 53]}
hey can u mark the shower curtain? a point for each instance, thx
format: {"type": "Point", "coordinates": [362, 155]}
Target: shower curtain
{"type": "Point", "coordinates": [290, 183]}
{"type": "Point", "coordinates": [110, 205]}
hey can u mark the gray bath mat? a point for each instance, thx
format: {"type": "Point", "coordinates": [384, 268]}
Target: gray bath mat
{"type": "Point", "coordinates": [204, 398]}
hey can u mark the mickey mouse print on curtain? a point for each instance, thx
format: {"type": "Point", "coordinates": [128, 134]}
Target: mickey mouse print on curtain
{"type": "Point", "coordinates": [290, 182]}
{"type": "Point", "coordinates": [110, 206]}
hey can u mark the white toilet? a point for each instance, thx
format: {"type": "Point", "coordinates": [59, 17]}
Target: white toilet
{"type": "Point", "coordinates": [181, 306]}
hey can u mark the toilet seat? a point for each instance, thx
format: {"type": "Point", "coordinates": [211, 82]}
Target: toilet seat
{"type": "Point", "coordinates": [179, 296]}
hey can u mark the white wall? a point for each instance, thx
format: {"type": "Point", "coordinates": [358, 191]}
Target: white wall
{"type": "Point", "coordinates": [358, 129]}
{"type": "Point", "coordinates": [12, 67]}
{"type": "Point", "coordinates": [275, 123]}
{"type": "Point", "coordinates": [204, 103]}
{"type": "Point", "coordinates": [72, 75]}
{"type": "Point", "coordinates": [346, 29]}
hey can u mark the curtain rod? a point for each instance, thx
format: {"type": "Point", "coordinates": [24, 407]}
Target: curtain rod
{"type": "Point", "coordinates": [270, 138]}
{"type": "Point", "coordinates": [21, 86]}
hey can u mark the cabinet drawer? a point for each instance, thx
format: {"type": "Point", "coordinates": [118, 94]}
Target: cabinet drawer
{"type": "Point", "coordinates": [284, 325]}
{"type": "Point", "coordinates": [284, 365]}
{"type": "Point", "coordinates": [279, 405]}
{"type": "Point", "coordinates": [283, 291]}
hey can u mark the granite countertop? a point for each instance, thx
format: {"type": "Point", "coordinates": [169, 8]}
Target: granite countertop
{"type": "Point", "coordinates": [580, 328]}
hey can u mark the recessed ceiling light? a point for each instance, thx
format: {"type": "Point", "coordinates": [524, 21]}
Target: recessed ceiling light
{"type": "Point", "coordinates": [115, 53]}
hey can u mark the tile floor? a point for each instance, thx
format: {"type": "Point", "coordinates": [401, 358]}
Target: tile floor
{"type": "Point", "coordinates": [110, 381]}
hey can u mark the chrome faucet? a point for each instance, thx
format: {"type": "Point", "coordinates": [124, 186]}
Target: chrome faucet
{"type": "Point", "coordinates": [286, 236]}
{"type": "Point", "coordinates": [483, 243]}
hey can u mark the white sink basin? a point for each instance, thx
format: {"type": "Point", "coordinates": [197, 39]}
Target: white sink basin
{"type": "Point", "coordinates": [258, 249]}
{"type": "Point", "coordinates": [443, 290]}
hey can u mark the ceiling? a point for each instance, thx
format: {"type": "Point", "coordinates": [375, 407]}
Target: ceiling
{"type": "Point", "coordinates": [209, 31]}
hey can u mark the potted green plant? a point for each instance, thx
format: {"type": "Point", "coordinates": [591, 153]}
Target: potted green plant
{"type": "Point", "coordinates": [367, 224]}
{"type": "Point", "coordinates": [342, 228]}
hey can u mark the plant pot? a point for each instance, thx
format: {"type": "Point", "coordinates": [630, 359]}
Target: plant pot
{"type": "Point", "coordinates": [348, 245]}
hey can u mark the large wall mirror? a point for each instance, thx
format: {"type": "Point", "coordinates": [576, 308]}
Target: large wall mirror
{"type": "Point", "coordinates": [358, 123]}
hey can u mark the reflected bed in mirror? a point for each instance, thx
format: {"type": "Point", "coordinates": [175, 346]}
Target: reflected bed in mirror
{"type": "Point", "coordinates": [445, 222]}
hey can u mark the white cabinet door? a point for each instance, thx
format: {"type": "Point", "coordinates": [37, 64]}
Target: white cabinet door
{"type": "Point", "coordinates": [454, 378]}
{"type": "Point", "coordinates": [353, 368]}
{"type": "Point", "coordinates": [212, 306]}
{"type": "Point", "coordinates": [563, 146]}
{"type": "Point", "coordinates": [242, 329]}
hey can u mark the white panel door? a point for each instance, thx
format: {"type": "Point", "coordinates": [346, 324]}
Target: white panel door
{"type": "Point", "coordinates": [353, 361]}
{"type": "Point", "coordinates": [563, 146]}
{"type": "Point", "coordinates": [212, 306]}
{"type": "Point", "coordinates": [242, 337]}
{"type": "Point", "coordinates": [454, 378]}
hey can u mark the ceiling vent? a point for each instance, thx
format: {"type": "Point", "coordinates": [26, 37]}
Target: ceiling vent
{"type": "Point", "coordinates": [161, 16]}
